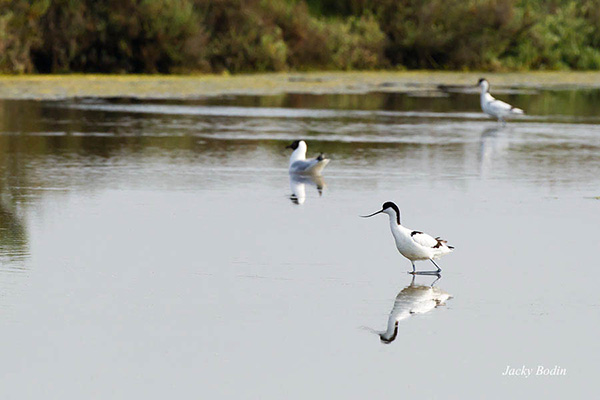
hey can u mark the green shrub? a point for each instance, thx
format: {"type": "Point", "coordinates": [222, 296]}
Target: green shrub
{"type": "Point", "coordinates": [357, 43]}
{"type": "Point", "coordinates": [118, 36]}
{"type": "Point", "coordinates": [560, 39]}
{"type": "Point", "coordinates": [241, 36]}
{"type": "Point", "coordinates": [447, 33]}
{"type": "Point", "coordinates": [18, 33]}
{"type": "Point", "coordinates": [275, 35]}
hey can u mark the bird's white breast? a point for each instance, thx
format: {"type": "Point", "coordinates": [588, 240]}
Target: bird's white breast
{"type": "Point", "coordinates": [406, 246]}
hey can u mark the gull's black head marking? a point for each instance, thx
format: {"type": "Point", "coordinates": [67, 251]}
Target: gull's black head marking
{"type": "Point", "coordinates": [294, 145]}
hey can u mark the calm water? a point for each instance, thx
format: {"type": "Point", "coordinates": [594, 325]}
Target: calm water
{"type": "Point", "coordinates": [152, 249]}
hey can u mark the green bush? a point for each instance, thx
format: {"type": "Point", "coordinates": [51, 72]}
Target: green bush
{"type": "Point", "coordinates": [241, 36]}
{"type": "Point", "coordinates": [356, 43]}
{"type": "Point", "coordinates": [18, 33]}
{"type": "Point", "coordinates": [448, 34]}
{"type": "Point", "coordinates": [306, 37]}
{"type": "Point", "coordinates": [118, 36]}
{"type": "Point", "coordinates": [273, 35]}
{"type": "Point", "coordinates": [563, 38]}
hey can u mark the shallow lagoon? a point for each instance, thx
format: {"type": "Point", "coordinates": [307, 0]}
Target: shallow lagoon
{"type": "Point", "coordinates": [150, 248]}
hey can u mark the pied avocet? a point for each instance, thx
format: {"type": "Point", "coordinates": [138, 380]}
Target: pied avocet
{"type": "Point", "coordinates": [414, 245]}
{"type": "Point", "coordinates": [494, 107]}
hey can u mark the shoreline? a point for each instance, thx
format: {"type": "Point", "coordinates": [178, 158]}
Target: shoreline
{"type": "Point", "coordinates": [189, 87]}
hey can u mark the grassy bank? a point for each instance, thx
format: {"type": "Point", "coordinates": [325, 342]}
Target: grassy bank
{"type": "Point", "coordinates": [197, 86]}
{"type": "Point", "coordinates": [178, 36]}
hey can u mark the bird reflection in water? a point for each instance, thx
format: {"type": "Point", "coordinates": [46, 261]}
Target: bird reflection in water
{"type": "Point", "coordinates": [298, 184]}
{"type": "Point", "coordinates": [14, 243]}
{"type": "Point", "coordinates": [491, 145]}
{"type": "Point", "coordinates": [413, 299]}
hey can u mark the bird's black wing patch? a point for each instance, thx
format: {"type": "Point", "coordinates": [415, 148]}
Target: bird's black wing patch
{"type": "Point", "coordinates": [413, 233]}
{"type": "Point", "coordinates": [440, 242]}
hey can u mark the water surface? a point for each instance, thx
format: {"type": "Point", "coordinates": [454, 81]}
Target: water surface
{"type": "Point", "coordinates": [158, 248]}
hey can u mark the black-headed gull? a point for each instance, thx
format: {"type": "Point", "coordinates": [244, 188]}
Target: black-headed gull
{"type": "Point", "coordinates": [300, 165]}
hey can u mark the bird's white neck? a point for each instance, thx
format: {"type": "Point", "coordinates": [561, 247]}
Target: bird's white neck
{"type": "Point", "coordinates": [485, 87]}
{"type": "Point", "coordinates": [486, 98]}
{"type": "Point", "coordinates": [394, 218]}
{"type": "Point", "coordinates": [298, 154]}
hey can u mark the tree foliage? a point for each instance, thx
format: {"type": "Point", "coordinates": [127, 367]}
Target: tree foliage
{"type": "Point", "coordinates": [148, 36]}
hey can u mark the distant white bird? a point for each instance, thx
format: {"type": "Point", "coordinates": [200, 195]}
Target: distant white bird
{"type": "Point", "coordinates": [413, 245]}
{"type": "Point", "coordinates": [300, 165]}
{"type": "Point", "coordinates": [412, 300]}
{"type": "Point", "coordinates": [494, 107]}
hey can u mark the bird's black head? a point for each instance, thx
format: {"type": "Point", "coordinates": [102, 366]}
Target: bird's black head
{"type": "Point", "coordinates": [388, 340]}
{"type": "Point", "coordinates": [389, 204]}
{"type": "Point", "coordinates": [294, 145]}
{"type": "Point", "coordinates": [393, 206]}
{"type": "Point", "coordinates": [481, 80]}
{"type": "Point", "coordinates": [385, 207]}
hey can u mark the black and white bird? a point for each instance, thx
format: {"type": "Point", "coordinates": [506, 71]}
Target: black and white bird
{"type": "Point", "coordinates": [412, 300]}
{"type": "Point", "coordinates": [414, 245]}
{"type": "Point", "coordinates": [300, 165]}
{"type": "Point", "coordinates": [494, 107]}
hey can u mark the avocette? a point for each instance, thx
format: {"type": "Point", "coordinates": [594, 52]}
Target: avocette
{"type": "Point", "coordinates": [300, 165]}
{"type": "Point", "coordinates": [414, 245]}
{"type": "Point", "coordinates": [494, 107]}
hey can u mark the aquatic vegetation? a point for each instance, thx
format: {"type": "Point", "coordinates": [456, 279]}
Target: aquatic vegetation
{"type": "Point", "coordinates": [198, 86]}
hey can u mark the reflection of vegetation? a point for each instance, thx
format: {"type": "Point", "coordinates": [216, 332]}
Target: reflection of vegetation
{"type": "Point", "coordinates": [547, 102]}
{"type": "Point", "coordinates": [273, 35]}
{"type": "Point", "coordinates": [13, 237]}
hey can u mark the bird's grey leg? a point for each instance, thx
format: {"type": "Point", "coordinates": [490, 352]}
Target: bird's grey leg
{"type": "Point", "coordinates": [430, 272]}
{"type": "Point", "coordinates": [437, 266]}
{"type": "Point", "coordinates": [413, 271]}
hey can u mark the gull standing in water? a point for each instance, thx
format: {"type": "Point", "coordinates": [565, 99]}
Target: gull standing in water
{"type": "Point", "coordinates": [414, 245]}
{"type": "Point", "coordinates": [494, 107]}
{"type": "Point", "coordinates": [300, 165]}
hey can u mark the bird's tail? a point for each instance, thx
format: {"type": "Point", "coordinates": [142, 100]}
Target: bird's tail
{"type": "Point", "coordinates": [441, 243]}
{"type": "Point", "coordinates": [515, 110]}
